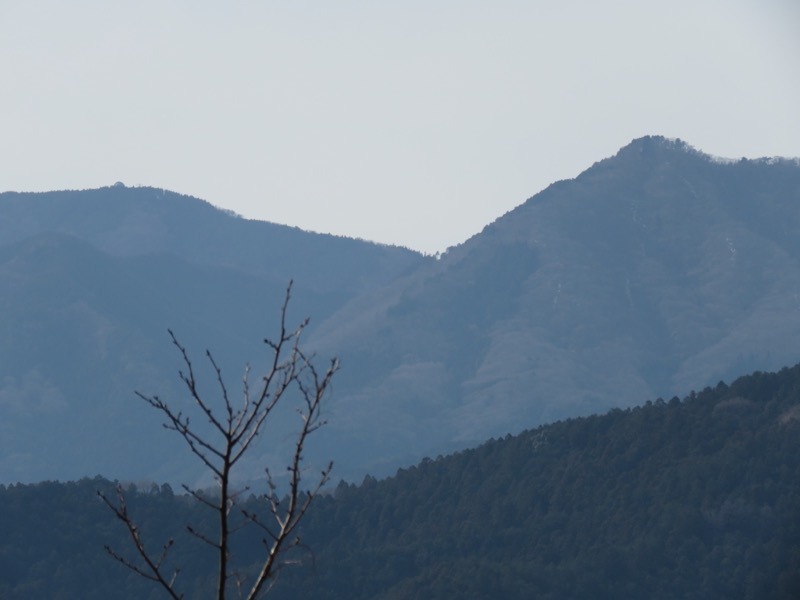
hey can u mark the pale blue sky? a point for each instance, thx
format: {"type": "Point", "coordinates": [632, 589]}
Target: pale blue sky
{"type": "Point", "coordinates": [413, 123]}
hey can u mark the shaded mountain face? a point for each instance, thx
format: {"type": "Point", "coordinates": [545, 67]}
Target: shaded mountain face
{"type": "Point", "coordinates": [89, 284]}
{"type": "Point", "coordinates": [654, 271]}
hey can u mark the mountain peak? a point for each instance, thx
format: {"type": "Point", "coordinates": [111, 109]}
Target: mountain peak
{"type": "Point", "coordinates": [655, 147]}
{"type": "Point", "coordinates": [651, 151]}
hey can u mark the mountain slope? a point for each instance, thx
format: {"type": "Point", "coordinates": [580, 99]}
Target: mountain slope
{"type": "Point", "coordinates": [81, 330]}
{"type": "Point", "coordinates": [657, 270]}
{"type": "Point", "coordinates": [89, 284]}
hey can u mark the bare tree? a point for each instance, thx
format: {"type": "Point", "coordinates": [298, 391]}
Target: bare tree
{"type": "Point", "coordinates": [233, 429]}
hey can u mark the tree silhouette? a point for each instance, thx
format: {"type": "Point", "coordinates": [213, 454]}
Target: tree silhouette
{"type": "Point", "coordinates": [290, 375]}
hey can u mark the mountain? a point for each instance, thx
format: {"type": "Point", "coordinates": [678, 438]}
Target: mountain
{"type": "Point", "coordinates": [694, 498]}
{"type": "Point", "coordinates": [142, 221]}
{"type": "Point", "coordinates": [90, 282]}
{"type": "Point", "coordinates": [654, 271]}
{"type": "Point", "coordinates": [657, 270]}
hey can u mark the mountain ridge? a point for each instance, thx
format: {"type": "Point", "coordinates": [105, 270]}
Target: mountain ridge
{"type": "Point", "coordinates": [91, 281]}
{"type": "Point", "coordinates": [657, 270]}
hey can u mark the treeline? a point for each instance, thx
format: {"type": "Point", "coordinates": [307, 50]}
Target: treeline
{"type": "Point", "coordinates": [695, 498]}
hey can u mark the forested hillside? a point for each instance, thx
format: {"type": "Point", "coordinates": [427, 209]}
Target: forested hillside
{"type": "Point", "coordinates": [695, 499]}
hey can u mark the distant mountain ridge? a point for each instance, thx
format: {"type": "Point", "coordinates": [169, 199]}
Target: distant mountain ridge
{"type": "Point", "coordinates": [657, 270]}
{"type": "Point", "coordinates": [89, 283]}
{"type": "Point", "coordinates": [124, 221]}
{"type": "Point", "coordinates": [654, 271]}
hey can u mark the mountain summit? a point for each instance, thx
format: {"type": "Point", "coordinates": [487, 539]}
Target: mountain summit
{"type": "Point", "coordinates": [653, 272]}
{"type": "Point", "coordinates": [91, 280]}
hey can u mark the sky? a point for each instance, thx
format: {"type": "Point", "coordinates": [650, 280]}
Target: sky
{"type": "Point", "coordinates": [409, 123]}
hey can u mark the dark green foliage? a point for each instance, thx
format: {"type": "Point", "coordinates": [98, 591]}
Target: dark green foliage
{"type": "Point", "coordinates": [53, 537]}
{"type": "Point", "coordinates": [693, 499]}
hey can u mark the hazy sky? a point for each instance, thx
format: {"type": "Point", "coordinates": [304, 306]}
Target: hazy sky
{"type": "Point", "coordinates": [413, 123]}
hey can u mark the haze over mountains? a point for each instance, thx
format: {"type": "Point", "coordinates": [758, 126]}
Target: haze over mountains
{"type": "Point", "coordinates": [89, 283]}
{"type": "Point", "coordinates": [653, 272]}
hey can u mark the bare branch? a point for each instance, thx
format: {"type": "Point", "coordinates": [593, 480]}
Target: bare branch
{"type": "Point", "coordinates": [177, 422]}
{"type": "Point", "coordinates": [153, 571]}
{"type": "Point", "coordinates": [202, 537]}
{"type": "Point", "coordinates": [289, 371]}
{"type": "Point", "coordinates": [191, 383]}
{"type": "Point", "coordinates": [199, 497]}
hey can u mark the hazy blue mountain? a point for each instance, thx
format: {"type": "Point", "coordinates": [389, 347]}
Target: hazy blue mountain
{"type": "Point", "coordinates": [655, 271]}
{"type": "Point", "coordinates": [89, 283]}
{"type": "Point", "coordinates": [658, 270]}
{"type": "Point", "coordinates": [146, 221]}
